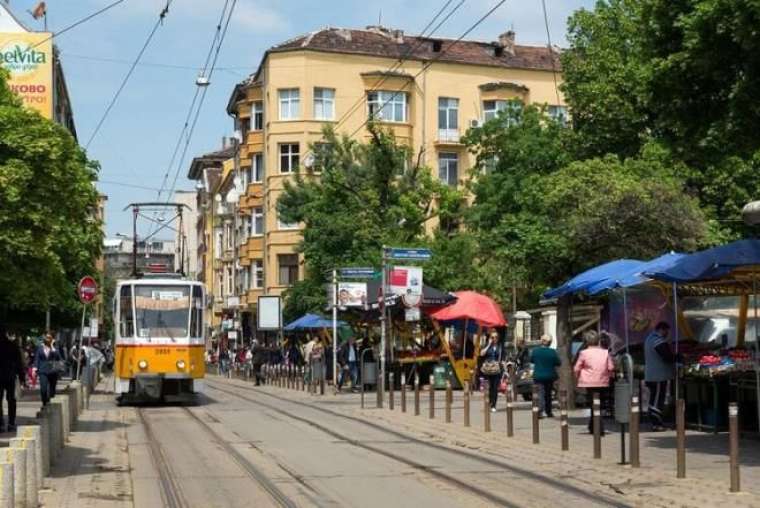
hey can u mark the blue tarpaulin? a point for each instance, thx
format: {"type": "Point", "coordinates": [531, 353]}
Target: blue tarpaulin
{"type": "Point", "coordinates": [582, 282]}
{"type": "Point", "coordinates": [311, 322]}
{"type": "Point", "coordinates": [636, 275]}
{"type": "Point", "coordinates": [710, 264]}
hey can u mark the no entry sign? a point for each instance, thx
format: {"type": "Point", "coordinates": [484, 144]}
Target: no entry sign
{"type": "Point", "coordinates": [87, 289]}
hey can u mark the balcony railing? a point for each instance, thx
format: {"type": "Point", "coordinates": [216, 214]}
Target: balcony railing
{"type": "Point", "coordinates": [448, 136]}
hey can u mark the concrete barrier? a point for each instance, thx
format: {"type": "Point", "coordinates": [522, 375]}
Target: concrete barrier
{"type": "Point", "coordinates": [17, 457]}
{"type": "Point", "coordinates": [28, 445]}
{"type": "Point", "coordinates": [6, 483]}
{"type": "Point", "coordinates": [56, 430]}
{"type": "Point", "coordinates": [86, 396]}
{"type": "Point", "coordinates": [73, 394]}
{"type": "Point", "coordinates": [63, 400]}
{"type": "Point", "coordinates": [34, 433]}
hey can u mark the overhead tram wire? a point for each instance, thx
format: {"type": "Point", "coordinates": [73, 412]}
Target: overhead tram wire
{"type": "Point", "coordinates": [79, 22]}
{"type": "Point", "coordinates": [551, 50]}
{"type": "Point", "coordinates": [434, 60]}
{"type": "Point", "coordinates": [124, 82]}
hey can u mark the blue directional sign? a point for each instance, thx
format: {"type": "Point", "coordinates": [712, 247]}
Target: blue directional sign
{"type": "Point", "coordinates": [357, 273]}
{"type": "Point", "coordinates": [418, 254]}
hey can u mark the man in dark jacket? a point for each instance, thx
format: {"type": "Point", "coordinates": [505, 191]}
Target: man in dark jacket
{"type": "Point", "coordinates": [348, 359]}
{"type": "Point", "coordinates": [545, 361]}
{"type": "Point", "coordinates": [11, 367]}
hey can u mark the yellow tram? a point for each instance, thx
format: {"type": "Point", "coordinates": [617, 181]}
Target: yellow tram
{"type": "Point", "coordinates": [158, 321]}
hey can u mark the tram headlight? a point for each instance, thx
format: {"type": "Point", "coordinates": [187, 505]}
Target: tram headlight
{"type": "Point", "coordinates": [142, 364]}
{"type": "Point", "coordinates": [181, 364]}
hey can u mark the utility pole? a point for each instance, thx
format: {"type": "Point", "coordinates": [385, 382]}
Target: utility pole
{"type": "Point", "coordinates": [383, 324]}
{"type": "Point", "coordinates": [335, 328]}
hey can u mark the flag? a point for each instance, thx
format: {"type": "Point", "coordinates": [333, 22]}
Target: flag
{"type": "Point", "coordinates": [39, 11]}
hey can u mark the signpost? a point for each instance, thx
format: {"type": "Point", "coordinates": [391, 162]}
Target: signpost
{"type": "Point", "coordinates": [357, 273]}
{"type": "Point", "coordinates": [418, 254]}
{"type": "Point", "coordinates": [87, 290]}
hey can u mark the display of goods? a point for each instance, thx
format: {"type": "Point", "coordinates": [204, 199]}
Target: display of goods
{"type": "Point", "coordinates": [740, 354]}
{"type": "Point", "coordinates": [707, 360]}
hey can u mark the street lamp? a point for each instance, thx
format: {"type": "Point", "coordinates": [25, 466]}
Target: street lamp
{"type": "Point", "coordinates": [751, 213]}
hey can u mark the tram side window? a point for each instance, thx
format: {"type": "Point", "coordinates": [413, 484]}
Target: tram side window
{"type": "Point", "coordinates": [196, 313]}
{"type": "Point", "coordinates": [125, 312]}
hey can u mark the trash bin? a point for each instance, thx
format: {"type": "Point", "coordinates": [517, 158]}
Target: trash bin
{"type": "Point", "coordinates": [369, 373]}
{"type": "Point", "coordinates": [623, 395]}
{"type": "Point", "coordinates": [442, 373]}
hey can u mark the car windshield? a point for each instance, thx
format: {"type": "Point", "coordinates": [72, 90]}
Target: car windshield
{"type": "Point", "coordinates": [162, 311]}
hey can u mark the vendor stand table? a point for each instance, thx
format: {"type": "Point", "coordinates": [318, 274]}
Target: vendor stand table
{"type": "Point", "coordinates": [707, 397]}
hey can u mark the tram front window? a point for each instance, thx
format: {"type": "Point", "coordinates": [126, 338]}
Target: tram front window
{"type": "Point", "coordinates": [162, 311]}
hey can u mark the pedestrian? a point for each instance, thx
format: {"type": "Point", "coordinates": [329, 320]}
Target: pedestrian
{"type": "Point", "coordinates": [593, 370]}
{"type": "Point", "coordinates": [491, 367]}
{"type": "Point", "coordinates": [49, 365]}
{"type": "Point", "coordinates": [11, 368]}
{"type": "Point", "coordinates": [348, 358]}
{"type": "Point", "coordinates": [659, 369]}
{"type": "Point", "coordinates": [545, 361]}
{"type": "Point", "coordinates": [224, 361]}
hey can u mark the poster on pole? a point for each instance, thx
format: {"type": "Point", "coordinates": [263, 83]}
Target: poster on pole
{"type": "Point", "coordinates": [406, 280]}
{"type": "Point", "coordinates": [352, 294]}
{"type": "Point", "coordinates": [269, 313]}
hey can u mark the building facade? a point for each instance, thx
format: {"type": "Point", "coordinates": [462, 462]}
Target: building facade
{"type": "Point", "coordinates": [186, 235]}
{"type": "Point", "coordinates": [429, 91]}
{"type": "Point", "coordinates": [152, 256]}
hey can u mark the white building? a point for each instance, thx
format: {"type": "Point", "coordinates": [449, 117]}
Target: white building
{"type": "Point", "coordinates": [187, 254]}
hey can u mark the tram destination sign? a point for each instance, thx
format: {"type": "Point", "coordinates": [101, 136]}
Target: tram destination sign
{"type": "Point", "coordinates": [418, 254]}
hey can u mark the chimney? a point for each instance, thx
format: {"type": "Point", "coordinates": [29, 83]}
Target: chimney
{"type": "Point", "coordinates": [398, 35]}
{"type": "Point", "coordinates": [507, 42]}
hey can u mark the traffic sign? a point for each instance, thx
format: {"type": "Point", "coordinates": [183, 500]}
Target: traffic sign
{"type": "Point", "coordinates": [357, 273]}
{"type": "Point", "coordinates": [419, 254]}
{"type": "Point", "coordinates": [87, 289]}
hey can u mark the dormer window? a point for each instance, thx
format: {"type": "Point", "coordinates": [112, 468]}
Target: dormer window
{"type": "Point", "coordinates": [437, 45]}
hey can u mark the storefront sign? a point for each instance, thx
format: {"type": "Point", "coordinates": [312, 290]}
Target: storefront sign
{"type": "Point", "coordinates": [406, 280]}
{"type": "Point", "coordinates": [29, 61]}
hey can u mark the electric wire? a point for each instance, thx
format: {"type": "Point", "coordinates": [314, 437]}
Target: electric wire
{"type": "Point", "coordinates": [551, 50]}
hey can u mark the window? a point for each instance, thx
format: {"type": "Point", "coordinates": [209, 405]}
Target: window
{"type": "Point", "coordinates": [289, 157]}
{"type": "Point", "coordinates": [228, 235]}
{"type": "Point", "coordinates": [243, 125]}
{"type": "Point", "coordinates": [256, 274]}
{"type": "Point", "coordinates": [288, 264]}
{"type": "Point", "coordinates": [448, 168]}
{"type": "Point", "coordinates": [126, 317]}
{"type": "Point", "coordinates": [387, 106]}
{"type": "Point", "coordinates": [162, 311]}
{"type": "Point", "coordinates": [257, 111]}
{"type": "Point", "coordinates": [247, 177]}
{"type": "Point", "coordinates": [257, 168]}
{"type": "Point", "coordinates": [245, 227]}
{"type": "Point", "coordinates": [491, 109]}
{"type": "Point", "coordinates": [324, 103]}
{"type": "Point", "coordinates": [257, 221]}
{"type": "Point", "coordinates": [285, 225]}
{"type": "Point", "coordinates": [558, 113]}
{"type": "Point", "coordinates": [218, 244]}
{"type": "Point", "coordinates": [488, 164]}
{"type": "Point", "coordinates": [290, 104]}
{"type": "Point", "coordinates": [448, 119]}
{"type": "Point", "coordinates": [196, 313]}
{"type": "Point", "coordinates": [230, 289]}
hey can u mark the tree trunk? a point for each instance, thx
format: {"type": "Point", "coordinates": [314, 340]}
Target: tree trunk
{"type": "Point", "coordinates": [564, 338]}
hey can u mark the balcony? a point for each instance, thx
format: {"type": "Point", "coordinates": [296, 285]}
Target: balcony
{"type": "Point", "coordinates": [450, 137]}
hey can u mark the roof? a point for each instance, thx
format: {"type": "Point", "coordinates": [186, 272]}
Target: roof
{"type": "Point", "coordinates": [382, 42]}
{"type": "Point", "coordinates": [210, 159]}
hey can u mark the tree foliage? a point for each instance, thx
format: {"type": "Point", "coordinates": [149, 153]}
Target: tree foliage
{"type": "Point", "coordinates": [48, 233]}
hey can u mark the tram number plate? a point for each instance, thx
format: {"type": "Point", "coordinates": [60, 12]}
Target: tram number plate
{"type": "Point", "coordinates": [163, 351]}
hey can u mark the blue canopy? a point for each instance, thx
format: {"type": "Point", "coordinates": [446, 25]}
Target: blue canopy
{"type": "Point", "coordinates": [711, 263]}
{"type": "Point", "coordinates": [635, 276]}
{"type": "Point", "coordinates": [582, 282]}
{"type": "Point", "coordinates": [310, 322]}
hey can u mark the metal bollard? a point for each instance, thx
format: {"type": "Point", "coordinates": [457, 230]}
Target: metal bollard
{"type": "Point", "coordinates": [596, 414]}
{"type": "Point", "coordinates": [32, 499]}
{"type": "Point", "coordinates": [431, 408]}
{"type": "Point", "coordinates": [510, 412]}
{"type": "Point", "coordinates": [322, 385]}
{"type": "Point", "coordinates": [563, 426]}
{"type": "Point", "coordinates": [466, 395]}
{"type": "Point", "coordinates": [403, 392]}
{"type": "Point", "coordinates": [17, 457]}
{"type": "Point", "coordinates": [378, 390]}
{"type": "Point", "coordinates": [86, 396]}
{"type": "Point", "coordinates": [391, 395]}
{"type": "Point", "coordinates": [448, 401]}
{"type": "Point", "coordinates": [301, 380]}
{"type": "Point", "coordinates": [472, 380]}
{"type": "Point", "coordinates": [680, 439]}
{"type": "Point", "coordinates": [416, 395]}
{"type": "Point", "coordinates": [486, 410]}
{"type": "Point", "coordinates": [733, 445]}
{"type": "Point", "coordinates": [535, 413]}
{"type": "Point", "coordinates": [6, 483]}
{"type": "Point", "coordinates": [34, 433]}
{"type": "Point", "coordinates": [634, 430]}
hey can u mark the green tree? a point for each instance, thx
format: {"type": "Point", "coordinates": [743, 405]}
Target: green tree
{"type": "Point", "coordinates": [48, 233]}
{"type": "Point", "coordinates": [356, 198]}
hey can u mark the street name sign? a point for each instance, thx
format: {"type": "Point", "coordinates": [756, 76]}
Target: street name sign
{"type": "Point", "coordinates": [357, 273]}
{"type": "Point", "coordinates": [418, 254]}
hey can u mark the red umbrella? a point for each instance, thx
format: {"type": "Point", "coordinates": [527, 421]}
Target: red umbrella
{"type": "Point", "coordinates": [472, 305]}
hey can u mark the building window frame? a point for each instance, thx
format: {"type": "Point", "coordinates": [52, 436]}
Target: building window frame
{"type": "Point", "coordinates": [290, 103]}
{"type": "Point", "coordinates": [448, 168]}
{"type": "Point", "coordinates": [388, 106]}
{"type": "Point", "coordinates": [257, 168]}
{"type": "Point", "coordinates": [448, 119]}
{"type": "Point", "coordinates": [493, 107]}
{"type": "Point", "coordinates": [256, 274]}
{"type": "Point", "coordinates": [287, 274]}
{"type": "Point", "coordinates": [324, 103]}
{"type": "Point", "coordinates": [257, 115]}
{"type": "Point", "coordinates": [257, 221]}
{"type": "Point", "coordinates": [290, 157]}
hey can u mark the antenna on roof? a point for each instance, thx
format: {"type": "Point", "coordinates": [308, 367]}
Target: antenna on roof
{"type": "Point", "coordinates": [380, 18]}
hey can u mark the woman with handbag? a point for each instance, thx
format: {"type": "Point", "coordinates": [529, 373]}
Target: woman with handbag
{"type": "Point", "coordinates": [491, 367]}
{"type": "Point", "coordinates": [49, 365]}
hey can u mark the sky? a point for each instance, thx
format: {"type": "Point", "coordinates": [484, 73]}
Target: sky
{"type": "Point", "coordinates": [135, 144]}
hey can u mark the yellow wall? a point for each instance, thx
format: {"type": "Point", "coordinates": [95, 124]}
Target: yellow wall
{"type": "Point", "coordinates": [351, 76]}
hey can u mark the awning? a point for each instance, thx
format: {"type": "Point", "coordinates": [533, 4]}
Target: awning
{"type": "Point", "coordinates": [636, 276]}
{"type": "Point", "coordinates": [597, 275]}
{"type": "Point", "coordinates": [474, 307]}
{"type": "Point", "coordinates": [711, 264]}
{"type": "Point", "coordinates": [431, 297]}
{"type": "Point", "coordinates": [310, 322]}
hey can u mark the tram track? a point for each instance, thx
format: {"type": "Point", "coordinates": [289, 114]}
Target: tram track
{"type": "Point", "coordinates": [447, 478]}
{"type": "Point", "coordinates": [171, 493]}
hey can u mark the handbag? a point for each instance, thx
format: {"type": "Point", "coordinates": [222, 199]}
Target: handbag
{"type": "Point", "coordinates": [490, 368]}
{"type": "Point", "coordinates": [58, 367]}
{"type": "Point", "coordinates": [503, 384]}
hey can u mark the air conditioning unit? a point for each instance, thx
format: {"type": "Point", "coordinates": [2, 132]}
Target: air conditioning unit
{"type": "Point", "coordinates": [475, 123]}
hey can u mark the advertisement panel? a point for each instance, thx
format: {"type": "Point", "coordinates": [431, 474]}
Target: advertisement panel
{"type": "Point", "coordinates": [406, 280]}
{"type": "Point", "coordinates": [269, 312]}
{"type": "Point", "coordinates": [29, 61]}
{"type": "Point", "coordinates": [352, 294]}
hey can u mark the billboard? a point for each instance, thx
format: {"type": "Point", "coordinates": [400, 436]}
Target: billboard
{"type": "Point", "coordinates": [352, 294]}
{"type": "Point", "coordinates": [269, 312]}
{"type": "Point", "coordinates": [28, 57]}
{"type": "Point", "coordinates": [406, 280]}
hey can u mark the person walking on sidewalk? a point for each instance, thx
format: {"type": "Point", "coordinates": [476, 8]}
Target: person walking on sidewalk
{"type": "Point", "coordinates": [545, 361]}
{"type": "Point", "coordinates": [11, 367]}
{"type": "Point", "coordinates": [491, 367]}
{"type": "Point", "coordinates": [348, 358]}
{"type": "Point", "coordinates": [659, 369]}
{"type": "Point", "coordinates": [593, 370]}
{"type": "Point", "coordinates": [49, 365]}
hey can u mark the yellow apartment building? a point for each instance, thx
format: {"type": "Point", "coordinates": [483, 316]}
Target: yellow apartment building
{"type": "Point", "coordinates": [429, 91]}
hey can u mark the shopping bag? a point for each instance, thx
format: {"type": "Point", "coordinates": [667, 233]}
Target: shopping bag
{"type": "Point", "coordinates": [503, 385]}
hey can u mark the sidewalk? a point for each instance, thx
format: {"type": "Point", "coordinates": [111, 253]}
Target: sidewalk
{"type": "Point", "coordinates": [707, 472]}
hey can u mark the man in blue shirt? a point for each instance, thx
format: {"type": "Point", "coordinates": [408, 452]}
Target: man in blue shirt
{"type": "Point", "coordinates": [659, 368]}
